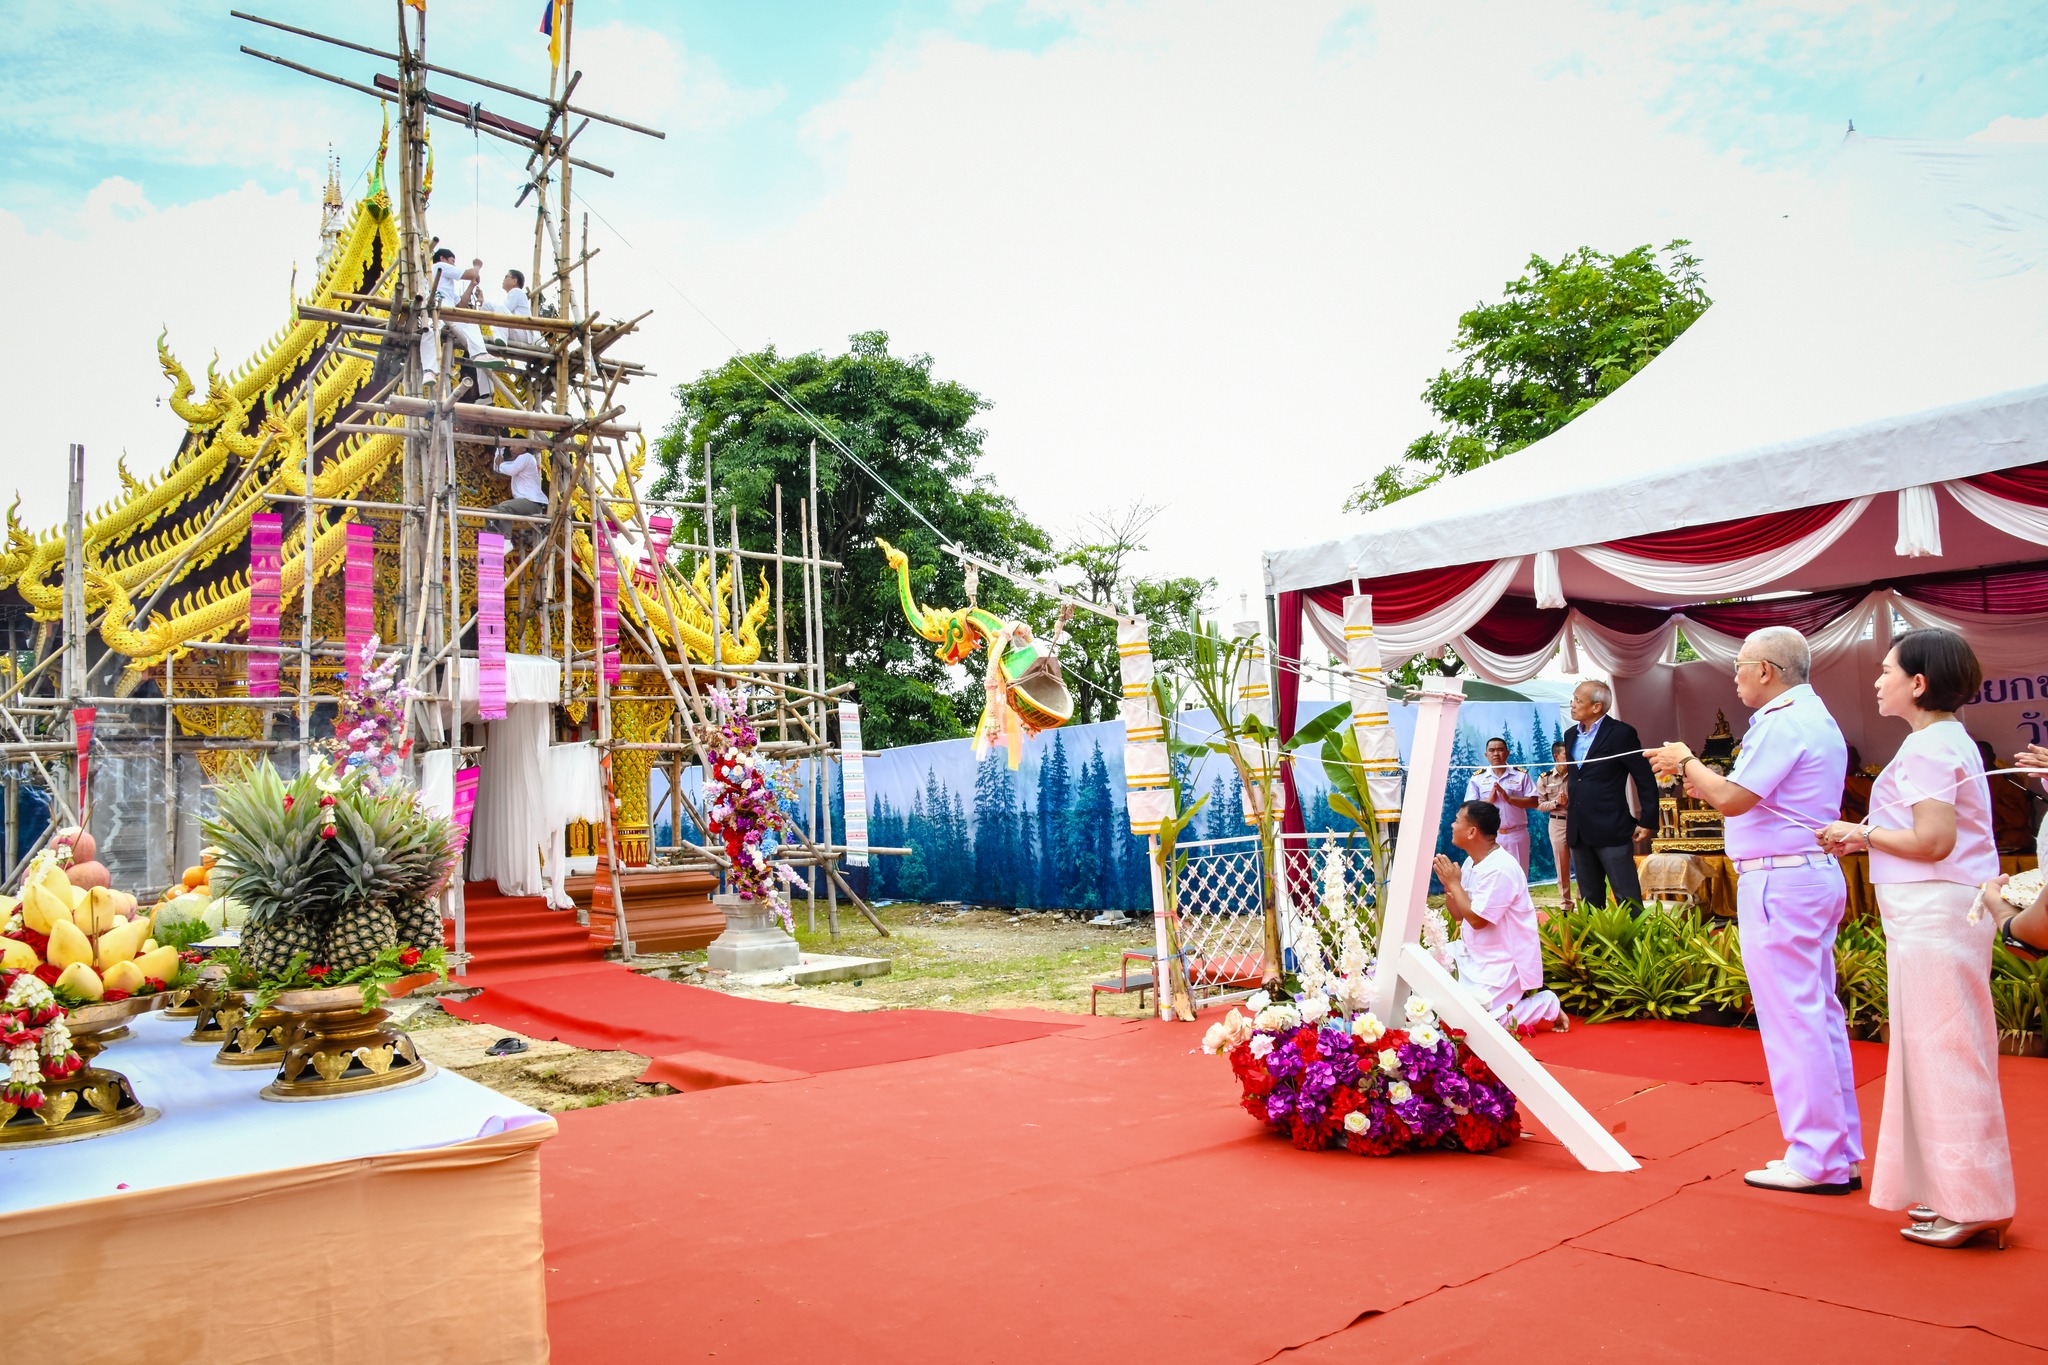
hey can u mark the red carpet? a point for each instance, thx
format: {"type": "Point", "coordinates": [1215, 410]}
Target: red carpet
{"type": "Point", "coordinates": [1094, 1195]}
{"type": "Point", "coordinates": [1690, 1053]}
{"type": "Point", "coordinates": [516, 937]}
{"type": "Point", "coordinates": [621, 1010]}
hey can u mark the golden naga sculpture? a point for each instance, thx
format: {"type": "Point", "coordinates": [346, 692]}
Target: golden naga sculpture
{"type": "Point", "coordinates": [1024, 690]}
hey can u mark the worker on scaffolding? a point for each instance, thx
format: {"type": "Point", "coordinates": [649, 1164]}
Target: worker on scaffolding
{"type": "Point", "coordinates": [522, 470]}
{"type": "Point", "coordinates": [456, 289]}
{"type": "Point", "coordinates": [519, 305]}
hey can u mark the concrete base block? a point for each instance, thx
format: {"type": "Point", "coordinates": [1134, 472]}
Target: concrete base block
{"type": "Point", "coordinates": [753, 941]}
{"type": "Point", "coordinates": [818, 968]}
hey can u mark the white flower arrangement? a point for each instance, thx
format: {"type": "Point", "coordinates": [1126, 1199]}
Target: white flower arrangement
{"type": "Point", "coordinates": [1356, 1121]}
{"type": "Point", "coordinates": [1425, 1035]}
{"type": "Point", "coordinates": [1278, 1018]}
{"type": "Point", "coordinates": [1262, 1044]}
{"type": "Point", "coordinates": [1368, 1027]}
{"type": "Point", "coordinates": [1314, 1009]}
{"type": "Point", "coordinates": [1400, 1092]}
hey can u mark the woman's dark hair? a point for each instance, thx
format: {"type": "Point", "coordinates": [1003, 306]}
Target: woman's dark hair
{"type": "Point", "coordinates": [1948, 663]}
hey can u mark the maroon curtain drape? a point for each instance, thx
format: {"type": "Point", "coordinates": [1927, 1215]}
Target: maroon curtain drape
{"type": "Point", "coordinates": [1720, 541]}
{"type": "Point", "coordinates": [2028, 484]}
{"type": "Point", "coordinates": [2021, 591]}
{"type": "Point", "coordinates": [1405, 596]}
{"type": "Point", "coordinates": [1804, 614]}
{"type": "Point", "coordinates": [1287, 643]}
{"type": "Point", "coordinates": [1516, 626]}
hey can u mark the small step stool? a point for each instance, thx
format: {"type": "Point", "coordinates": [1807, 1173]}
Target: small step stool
{"type": "Point", "coordinates": [1125, 983]}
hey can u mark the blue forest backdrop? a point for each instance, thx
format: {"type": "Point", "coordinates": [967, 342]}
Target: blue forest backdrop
{"type": "Point", "coordinates": [1053, 834]}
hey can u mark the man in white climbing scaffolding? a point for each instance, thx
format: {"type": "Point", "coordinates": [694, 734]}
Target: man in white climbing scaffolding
{"type": "Point", "coordinates": [456, 289]}
{"type": "Point", "coordinates": [1502, 963]}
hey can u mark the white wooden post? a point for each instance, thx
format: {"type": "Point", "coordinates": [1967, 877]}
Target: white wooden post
{"type": "Point", "coordinates": [1405, 966]}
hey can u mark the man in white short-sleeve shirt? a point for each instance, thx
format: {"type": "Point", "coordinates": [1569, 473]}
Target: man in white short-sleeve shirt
{"type": "Point", "coordinates": [1789, 898]}
{"type": "Point", "coordinates": [456, 288]}
{"type": "Point", "coordinates": [1513, 794]}
{"type": "Point", "coordinates": [1502, 963]}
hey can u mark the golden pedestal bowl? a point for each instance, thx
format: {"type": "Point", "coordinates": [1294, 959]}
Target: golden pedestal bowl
{"type": "Point", "coordinates": [92, 1101]}
{"type": "Point", "coordinates": [246, 1041]}
{"type": "Point", "coordinates": [185, 1001]}
{"type": "Point", "coordinates": [338, 1048]}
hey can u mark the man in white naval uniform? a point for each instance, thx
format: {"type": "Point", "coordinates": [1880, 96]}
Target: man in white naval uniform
{"type": "Point", "coordinates": [1786, 784]}
{"type": "Point", "coordinates": [1513, 794]}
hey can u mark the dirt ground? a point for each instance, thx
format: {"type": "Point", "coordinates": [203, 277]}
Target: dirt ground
{"type": "Point", "coordinates": [940, 957]}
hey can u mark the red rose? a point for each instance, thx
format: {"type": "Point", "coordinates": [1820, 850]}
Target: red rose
{"type": "Point", "coordinates": [153, 984]}
{"type": "Point", "coordinates": [288, 803]}
{"type": "Point", "coordinates": [39, 942]}
{"type": "Point", "coordinates": [409, 957]}
{"type": "Point", "coordinates": [111, 996]}
{"type": "Point", "coordinates": [327, 833]}
{"type": "Point", "coordinates": [48, 975]}
{"type": "Point", "coordinates": [1476, 1134]}
{"type": "Point", "coordinates": [1305, 1042]}
{"type": "Point", "coordinates": [317, 971]}
{"type": "Point", "coordinates": [1255, 1105]}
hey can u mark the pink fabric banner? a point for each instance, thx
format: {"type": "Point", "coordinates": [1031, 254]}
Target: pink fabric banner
{"type": "Point", "coordinates": [490, 625]}
{"type": "Point", "coordinates": [81, 724]}
{"type": "Point", "coordinates": [266, 582]}
{"type": "Point", "coordinates": [465, 804]}
{"type": "Point", "coordinates": [360, 593]}
{"type": "Point", "coordinates": [659, 532]}
{"type": "Point", "coordinates": [607, 608]}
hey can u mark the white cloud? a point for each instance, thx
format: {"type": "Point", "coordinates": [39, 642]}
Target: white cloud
{"type": "Point", "coordinates": [2006, 128]}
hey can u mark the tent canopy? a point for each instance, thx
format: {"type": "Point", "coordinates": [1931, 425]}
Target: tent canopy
{"type": "Point", "coordinates": [1870, 366]}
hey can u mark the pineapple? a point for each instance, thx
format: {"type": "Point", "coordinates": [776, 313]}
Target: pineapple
{"type": "Point", "coordinates": [274, 862]}
{"type": "Point", "coordinates": [270, 947]}
{"type": "Point", "coordinates": [358, 934]}
{"type": "Point", "coordinates": [419, 923]}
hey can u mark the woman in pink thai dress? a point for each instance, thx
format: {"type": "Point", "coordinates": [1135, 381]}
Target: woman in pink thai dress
{"type": "Point", "coordinates": [1941, 1147]}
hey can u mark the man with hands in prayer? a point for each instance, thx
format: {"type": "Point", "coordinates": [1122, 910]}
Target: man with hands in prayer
{"type": "Point", "coordinates": [1503, 961]}
{"type": "Point", "coordinates": [1790, 895]}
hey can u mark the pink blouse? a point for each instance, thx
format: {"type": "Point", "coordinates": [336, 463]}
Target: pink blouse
{"type": "Point", "coordinates": [1938, 763]}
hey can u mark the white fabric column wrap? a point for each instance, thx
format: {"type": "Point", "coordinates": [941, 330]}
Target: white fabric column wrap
{"type": "Point", "coordinates": [511, 821]}
{"type": "Point", "coordinates": [1148, 765]}
{"type": "Point", "coordinates": [1379, 752]}
{"type": "Point", "coordinates": [1549, 581]}
{"type": "Point", "coordinates": [1255, 699]}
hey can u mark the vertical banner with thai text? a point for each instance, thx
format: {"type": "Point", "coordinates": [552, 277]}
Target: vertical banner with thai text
{"type": "Point", "coordinates": [607, 606]}
{"type": "Point", "coordinates": [490, 625]}
{"type": "Point", "coordinates": [854, 781]}
{"type": "Point", "coordinates": [266, 584]}
{"type": "Point", "coordinates": [465, 804]}
{"type": "Point", "coordinates": [659, 531]}
{"type": "Point", "coordinates": [359, 600]}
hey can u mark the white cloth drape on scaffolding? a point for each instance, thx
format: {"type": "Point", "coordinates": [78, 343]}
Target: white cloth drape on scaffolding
{"type": "Point", "coordinates": [1255, 701]}
{"type": "Point", "coordinates": [575, 792]}
{"type": "Point", "coordinates": [512, 803]}
{"type": "Point", "coordinates": [1147, 764]}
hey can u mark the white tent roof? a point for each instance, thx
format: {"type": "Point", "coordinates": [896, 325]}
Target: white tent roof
{"type": "Point", "coordinates": [1891, 334]}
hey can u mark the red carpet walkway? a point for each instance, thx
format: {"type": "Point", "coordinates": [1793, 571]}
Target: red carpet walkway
{"type": "Point", "coordinates": [1095, 1195]}
{"type": "Point", "coordinates": [702, 1038]}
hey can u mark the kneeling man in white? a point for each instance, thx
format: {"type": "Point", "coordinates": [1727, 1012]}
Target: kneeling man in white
{"type": "Point", "coordinates": [1503, 962]}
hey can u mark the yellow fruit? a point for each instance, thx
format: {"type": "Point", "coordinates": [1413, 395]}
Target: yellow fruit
{"type": "Point", "coordinates": [105, 906]}
{"type": "Point", "coordinates": [42, 908]}
{"type": "Point", "coordinates": [18, 955]}
{"type": "Point", "coordinates": [119, 943]}
{"type": "Point", "coordinates": [68, 946]}
{"type": "Point", "coordinates": [123, 976]}
{"type": "Point", "coordinates": [54, 880]}
{"type": "Point", "coordinates": [158, 964]}
{"type": "Point", "coordinates": [149, 945]}
{"type": "Point", "coordinates": [80, 895]}
{"type": "Point", "coordinates": [8, 905]}
{"type": "Point", "coordinates": [82, 981]}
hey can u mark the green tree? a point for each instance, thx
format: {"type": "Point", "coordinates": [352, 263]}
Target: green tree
{"type": "Point", "coordinates": [1099, 561]}
{"type": "Point", "coordinates": [917, 432]}
{"type": "Point", "coordinates": [1563, 336]}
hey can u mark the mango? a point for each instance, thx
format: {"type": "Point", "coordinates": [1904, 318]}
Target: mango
{"type": "Point", "coordinates": [119, 943]}
{"type": "Point", "coordinates": [8, 905]}
{"type": "Point", "coordinates": [158, 964]}
{"type": "Point", "coordinates": [16, 954]}
{"type": "Point", "coordinates": [68, 946]}
{"type": "Point", "coordinates": [54, 880]}
{"type": "Point", "coordinates": [106, 909]}
{"type": "Point", "coordinates": [149, 945]}
{"type": "Point", "coordinates": [79, 895]}
{"type": "Point", "coordinates": [122, 976]}
{"type": "Point", "coordinates": [41, 907]}
{"type": "Point", "coordinates": [82, 981]}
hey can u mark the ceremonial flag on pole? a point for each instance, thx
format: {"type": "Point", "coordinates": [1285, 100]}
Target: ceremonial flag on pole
{"type": "Point", "coordinates": [490, 625]}
{"type": "Point", "coordinates": [266, 582]}
{"type": "Point", "coordinates": [854, 780]}
{"type": "Point", "coordinates": [550, 24]}
{"type": "Point", "coordinates": [359, 610]}
{"type": "Point", "coordinates": [81, 724]}
{"type": "Point", "coordinates": [607, 606]}
{"type": "Point", "coordinates": [465, 804]}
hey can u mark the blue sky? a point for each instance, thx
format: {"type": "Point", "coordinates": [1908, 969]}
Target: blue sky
{"type": "Point", "coordinates": [1185, 247]}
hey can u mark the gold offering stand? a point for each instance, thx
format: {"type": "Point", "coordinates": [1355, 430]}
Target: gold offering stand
{"type": "Point", "coordinates": [245, 1041]}
{"type": "Point", "coordinates": [92, 1101]}
{"type": "Point", "coordinates": [208, 999]}
{"type": "Point", "coordinates": [338, 1048]}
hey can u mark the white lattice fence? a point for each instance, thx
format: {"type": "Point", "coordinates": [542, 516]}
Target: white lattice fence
{"type": "Point", "coordinates": [1221, 906]}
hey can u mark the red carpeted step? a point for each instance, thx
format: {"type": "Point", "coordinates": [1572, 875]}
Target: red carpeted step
{"type": "Point", "coordinates": [519, 936]}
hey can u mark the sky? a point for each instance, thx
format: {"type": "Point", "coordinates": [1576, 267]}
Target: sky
{"type": "Point", "coordinates": [1201, 256]}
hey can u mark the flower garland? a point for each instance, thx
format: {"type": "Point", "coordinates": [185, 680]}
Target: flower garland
{"type": "Point", "coordinates": [744, 808]}
{"type": "Point", "coordinates": [1327, 1080]}
{"type": "Point", "coordinates": [32, 1025]}
{"type": "Point", "coordinates": [370, 713]}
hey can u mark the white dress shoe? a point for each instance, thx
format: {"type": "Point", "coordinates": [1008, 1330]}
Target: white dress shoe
{"type": "Point", "coordinates": [1778, 1176]}
{"type": "Point", "coordinates": [1855, 1177]}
